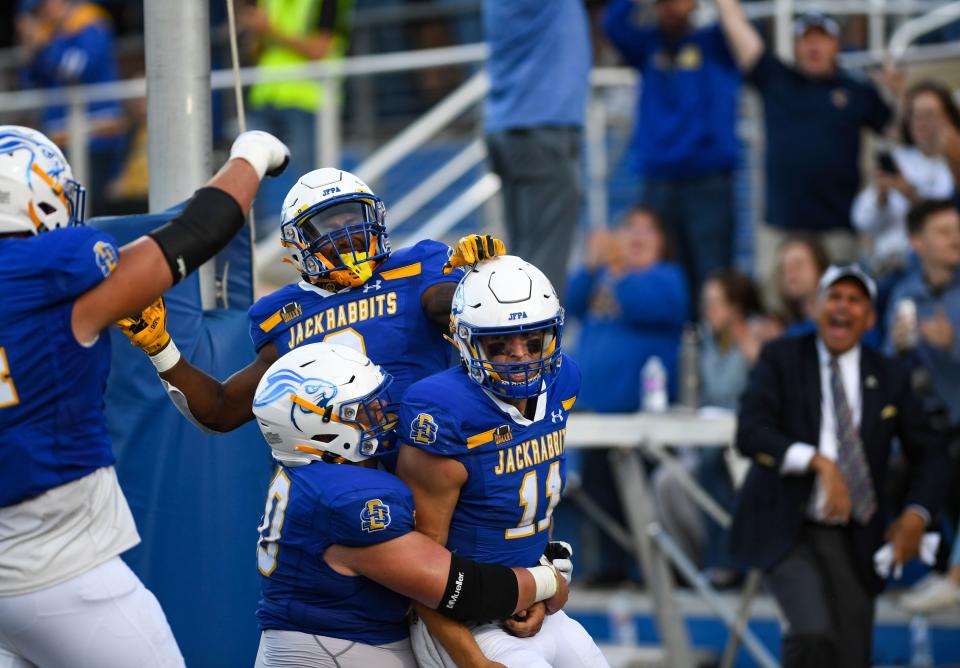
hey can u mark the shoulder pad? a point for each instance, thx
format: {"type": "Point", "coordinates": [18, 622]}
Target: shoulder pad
{"type": "Point", "coordinates": [424, 423]}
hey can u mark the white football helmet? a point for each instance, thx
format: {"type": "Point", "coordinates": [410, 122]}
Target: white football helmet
{"type": "Point", "coordinates": [37, 190]}
{"type": "Point", "coordinates": [334, 224]}
{"type": "Point", "coordinates": [502, 296]}
{"type": "Point", "coordinates": [324, 401]}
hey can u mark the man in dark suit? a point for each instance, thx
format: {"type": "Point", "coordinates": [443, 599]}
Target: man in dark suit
{"type": "Point", "coordinates": [817, 418]}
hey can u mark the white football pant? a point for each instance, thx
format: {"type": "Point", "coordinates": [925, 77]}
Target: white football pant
{"type": "Point", "coordinates": [292, 649]}
{"type": "Point", "coordinates": [103, 618]}
{"type": "Point", "coordinates": [561, 643]}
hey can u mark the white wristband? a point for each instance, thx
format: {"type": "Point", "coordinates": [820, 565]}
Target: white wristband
{"type": "Point", "coordinates": [166, 358]}
{"type": "Point", "coordinates": [546, 579]}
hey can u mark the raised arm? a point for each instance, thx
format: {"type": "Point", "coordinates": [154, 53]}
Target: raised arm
{"type": "Point", "coordinates": [148, 266]}
{"type": "Point", "coordinates": [436, 303]}
{"type": "Point", "coordinates": [438, 298]}
{"type": "Point", "coordinates": [743, 38]}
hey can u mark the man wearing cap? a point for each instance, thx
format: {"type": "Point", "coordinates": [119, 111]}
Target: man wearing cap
{"type": "Point", "coordinates": [814, 113]}
{"type": "Point", "coordinates": [817, 418]}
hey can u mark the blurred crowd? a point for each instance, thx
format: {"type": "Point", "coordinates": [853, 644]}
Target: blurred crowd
{"type": "Point", "coordinates": [664, 280]}
{"type": "Point", "coordinates": [668, 266]}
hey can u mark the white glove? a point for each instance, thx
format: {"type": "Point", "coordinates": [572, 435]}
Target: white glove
{"type": "Point", "coordinates": [558, 554]}
{"type": "Point", "coordinates": [265, 153]}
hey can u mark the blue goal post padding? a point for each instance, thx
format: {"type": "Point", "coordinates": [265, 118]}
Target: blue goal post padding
{"type": "Point", "coordinates": [197, 498]}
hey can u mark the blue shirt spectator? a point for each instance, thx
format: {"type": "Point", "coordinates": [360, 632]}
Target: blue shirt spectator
{"type": "Point", "coordinates": [70, 43]}
{"type": "Point", "coordinates": [539, 68]}
{"type": "Point", "coordinates": [539, 63]}
{"type": "Point", "coordinates": [632, 302]}
{"type": "Point", "coordinates": [684, 143]}
{"type": "Point", "coordinates": [633, 305]}
{"type": "Point", "coordinates": [687, 106]}
{"type": "Point", "coordinates": [74, 48]}
{"type": "Point", "coordinates": [932, 338]}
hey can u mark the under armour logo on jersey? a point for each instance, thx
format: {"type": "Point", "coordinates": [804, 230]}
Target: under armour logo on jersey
{"type": "Point", "coordinates": [375, 285]}
{"type": "Point", "coordinates": [556, 416]}
{"type": "Point", "coordinates": [375, 516]}
{"type": "Point", "coordinates": [106, 255]}
{"type": "Point", "coordinates": [423, 429]}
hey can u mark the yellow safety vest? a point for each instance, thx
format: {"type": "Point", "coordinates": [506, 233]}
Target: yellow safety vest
{"type": "Point", "coordinates": [295, 18]}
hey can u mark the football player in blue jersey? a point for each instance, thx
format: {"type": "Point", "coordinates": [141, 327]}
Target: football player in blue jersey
{"type": "Point", "coordinates": [66, 598]}
{"type": "Point", "coordinates": [393, 306]}
{"type": "Point", "coordinates": [483, 453]}
{"type": "Point", "coordinates": [338, 554]}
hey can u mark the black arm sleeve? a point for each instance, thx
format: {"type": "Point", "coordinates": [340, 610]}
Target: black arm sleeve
{"type": "Point", "coordinates": [478, 592]}
{"type": "Point", "coordinates": [206, 225]}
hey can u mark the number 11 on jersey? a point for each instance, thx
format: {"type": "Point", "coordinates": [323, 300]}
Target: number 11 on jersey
{"type": "Point", "coordinates": [529, 497]}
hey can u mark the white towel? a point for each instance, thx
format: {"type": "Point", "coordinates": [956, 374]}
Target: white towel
{"type": "Point", "coordinates": [883, 558]}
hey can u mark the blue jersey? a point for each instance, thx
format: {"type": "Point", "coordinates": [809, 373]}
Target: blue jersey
{"type": "Point", "coordinates": [309, 508]}
{"type": "Point", "coordinates": [52, 426]}
{"type": "Point", "coordinates": [516, 467]}
{"type": "Point", "coordinates": [383, 318]}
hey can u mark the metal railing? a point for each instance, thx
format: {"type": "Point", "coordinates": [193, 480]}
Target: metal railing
{"type": "Point", "coordinates": [471, 93]}
{"type": "Point", "coordinates": [626, 435]}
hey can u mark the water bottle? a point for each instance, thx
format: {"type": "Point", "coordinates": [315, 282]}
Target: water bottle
{"type": "Point", "coordinates": [907, 313]}
{"type": "Point", "coordinates": [690, 368]}
{"type": "Point", "coordinates": [921, 651]}
{"type": "Point", "coordinates": [654, 381]}
{"type": "Point", "coordinates": [620, 618]}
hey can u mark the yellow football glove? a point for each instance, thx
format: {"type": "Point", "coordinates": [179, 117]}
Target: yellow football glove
{"type": "Point", "coordinates": [148, 329]}
{"type": "Point", "coordinates": [474, 248]}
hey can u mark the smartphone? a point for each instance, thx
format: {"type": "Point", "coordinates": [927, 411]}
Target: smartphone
{"type": "Point", "coordinates": [886, 163]}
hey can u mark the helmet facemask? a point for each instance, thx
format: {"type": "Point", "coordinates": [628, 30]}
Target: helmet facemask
{"type": "Point", "coordinates": [340, 241]}
{"type": "Point", "coordinates": [512, 380]}
{"type": "Point", "coordinates": [496, 301]}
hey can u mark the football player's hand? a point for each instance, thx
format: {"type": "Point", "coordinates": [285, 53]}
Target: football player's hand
{"type": "Point", "coordinates": [147, 330]}
{"type": "Point", "coordinates": [474, 248]}
{"type": "Point", "coordinates": [526, 623]}
{"type": "Point", "coordinates": [264, 152]}
{"type": "Point", "coordinates": [559, 555]}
